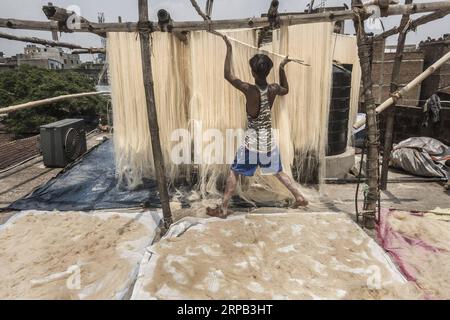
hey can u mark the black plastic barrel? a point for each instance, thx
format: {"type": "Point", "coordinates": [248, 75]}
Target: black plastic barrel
{"type": "Point", "coordinates": [339, 111]}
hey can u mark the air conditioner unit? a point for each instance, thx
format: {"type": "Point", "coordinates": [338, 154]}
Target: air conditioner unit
{"type": "Point", "coordinates": [62, 142]}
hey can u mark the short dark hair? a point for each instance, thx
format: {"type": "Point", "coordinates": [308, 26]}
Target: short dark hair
{"type": "Point", "coordinates": [261, 65]}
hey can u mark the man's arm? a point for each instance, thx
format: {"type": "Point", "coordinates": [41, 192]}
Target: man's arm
{"type": "Point", "coordinates": [283, 88]}
{"type": "Point", "coordinates": [229, 76]}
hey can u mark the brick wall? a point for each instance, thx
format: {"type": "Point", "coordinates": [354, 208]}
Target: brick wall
{"type": "Point", "coordinates": [382, 64]}
{"type": "Point", "coordinates": [440, 79]}
{"type": "Point", "coordinates": [408, 123]}
{"type": "Point", "coordinates": [18, 150]}
{"type": "Point", "coordinates": [409, 116]}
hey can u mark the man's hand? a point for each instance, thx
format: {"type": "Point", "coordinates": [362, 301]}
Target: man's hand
{"type": "Point", "coordinates": [284, 85]}
{"type": "Point", "coordinates": [285, 62]}
{"type": "Point", "coordinates": [227, 41]}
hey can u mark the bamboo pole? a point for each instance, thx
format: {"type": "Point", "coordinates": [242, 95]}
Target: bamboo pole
{"type": "Point", "coordinates": [45, 42]}
{"type": "Point", "coordinates": [209, 7]}
{"type": "Point", "coordinates": [152, 115]}
{"type": "Point", "coordinates": [364, 49]}
{"type": "Point", "coordinates": [390, 117]}
{"type": "Point", "coordinates": [415, 23]}
{"type": "Point", "coordinates": [89, 51]}
{"type": "Point", "coordinates": [38, 103]}
{"type": "Point", "coordinates": [102, 28]}
{"type": "Point", "coordinates": [54, 33]}
{"type": "Point", "coordinates": [205, 18]}
{"type": "Point", "coordinates": [199, 11]}
{"type": "Point", "coordinates": [310, 6]}
{"type": "Point", "coordinates": [399, 94]}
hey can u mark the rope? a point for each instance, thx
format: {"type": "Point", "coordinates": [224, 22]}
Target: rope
{"type": "Point", "coordinates": [395, 96]}
{"type": "Point", "coordinates": [359, 179]}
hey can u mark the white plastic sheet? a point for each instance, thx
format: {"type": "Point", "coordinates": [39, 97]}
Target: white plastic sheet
{"type": "Point", "coordinates": [132, 251]}
{"type": "Point", "coordinates": [150, 260]}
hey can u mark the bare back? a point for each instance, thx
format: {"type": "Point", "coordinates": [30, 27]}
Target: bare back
{"type": "Point", "coordinates": [253, 98]}
{"type": "Point", "coordinates": [251, 91]}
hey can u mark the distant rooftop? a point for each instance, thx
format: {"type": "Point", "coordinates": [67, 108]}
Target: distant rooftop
{"type": "Point", "coordinates": [445, 39]}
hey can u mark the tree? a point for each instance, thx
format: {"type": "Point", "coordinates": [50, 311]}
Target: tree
{"type": "Point", "coordinates": [30, 83]}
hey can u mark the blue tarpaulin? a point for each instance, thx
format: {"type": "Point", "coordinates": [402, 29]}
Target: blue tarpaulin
{"type": "Point", "coordinates": [88, 184]}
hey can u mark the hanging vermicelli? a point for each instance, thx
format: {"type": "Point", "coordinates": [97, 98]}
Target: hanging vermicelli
{"type": "Point", "coordinates": [192, 95]}
{"type": "Point", "coordinates": [132, 135]}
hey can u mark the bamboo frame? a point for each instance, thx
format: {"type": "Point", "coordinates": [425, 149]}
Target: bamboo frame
{"type": "Point", "coordinates": [415, 23]}
{"type": "Point", "coordinates": [102, 28]}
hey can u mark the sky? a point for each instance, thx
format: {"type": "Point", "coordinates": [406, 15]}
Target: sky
{"type": "Point", "coordinates": [180, 10]}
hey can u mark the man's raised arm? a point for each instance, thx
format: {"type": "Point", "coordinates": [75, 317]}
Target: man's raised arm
{"type": "Point", "coordinates": [284, 85]}
{"type": "Point", "coordinates": [229, 76]}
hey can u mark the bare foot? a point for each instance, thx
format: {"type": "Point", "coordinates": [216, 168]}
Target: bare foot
{"type": "Point", "coordinates": [218, 212]}
{"type": "Point", "coordinates": [300, 203]}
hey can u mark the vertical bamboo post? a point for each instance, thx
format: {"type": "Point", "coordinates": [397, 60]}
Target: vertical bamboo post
{"type": "Point", "coordinates": [160, 177]}
{"type": "Point", "coordinates": [54, 32]}
{"type": "Point", "coordinates": [390, 116]}
{"type": "Point", "coordinates": [209, 7]}
{"type": "Point", "coordinates": [364, 52]}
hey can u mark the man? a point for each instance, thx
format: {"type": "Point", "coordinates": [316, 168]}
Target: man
{"type": "Point", "coordinates": [259, 147]}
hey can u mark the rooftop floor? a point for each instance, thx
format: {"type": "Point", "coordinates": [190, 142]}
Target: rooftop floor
{"type": "Point", "coordinates": [409, 196]}
{"type": "Point", "coordinates": [23, 179]}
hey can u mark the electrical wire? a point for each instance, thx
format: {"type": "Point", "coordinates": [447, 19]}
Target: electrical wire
{"type": "Point", "coordinates": [359, 179]}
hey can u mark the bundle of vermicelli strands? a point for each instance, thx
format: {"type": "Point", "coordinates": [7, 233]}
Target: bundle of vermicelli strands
{"type": "Point", "coordinates": [192, 95]}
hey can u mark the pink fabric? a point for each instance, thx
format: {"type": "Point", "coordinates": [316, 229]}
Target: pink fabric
{"type": "Point", "coordinates": [398, 246]}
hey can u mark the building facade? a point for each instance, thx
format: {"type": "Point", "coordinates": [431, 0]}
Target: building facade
{"type": "Point", "coordinates": [48, 58]}
{"type": "Point", "coordinates": [7, 63]}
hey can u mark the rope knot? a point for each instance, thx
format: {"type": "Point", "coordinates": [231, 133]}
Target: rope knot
{"type": "Point", "coordinates": [145, 26]}
{"type": "Point", "coordinates": [395, 96]}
